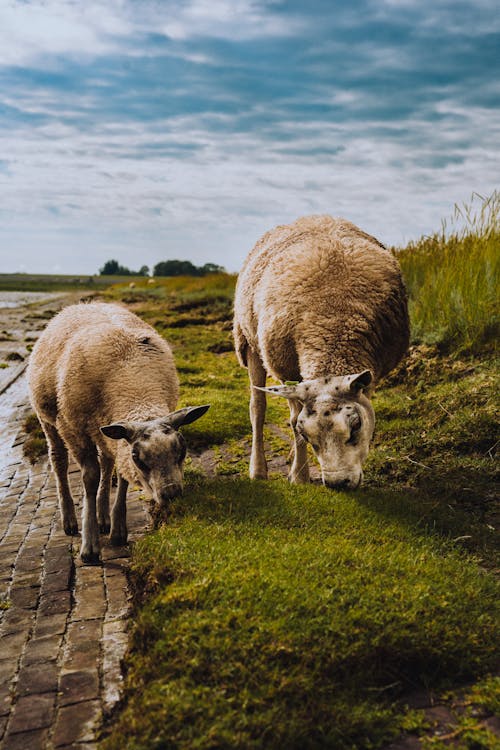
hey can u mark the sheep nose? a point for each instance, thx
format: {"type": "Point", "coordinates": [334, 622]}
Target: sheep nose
{"type": "Point", "coordinates": [169, 492]}
{"type": "Point", "coordinates": [342, 484]}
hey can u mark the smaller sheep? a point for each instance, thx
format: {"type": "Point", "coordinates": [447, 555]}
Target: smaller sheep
{"type": "Point", "coordinates": [103, 384]}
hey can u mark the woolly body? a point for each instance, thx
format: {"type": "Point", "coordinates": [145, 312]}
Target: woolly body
{"type": "Point", "coordinates": [96, 364]}
{"type": "Point", "coordinates": [320, 301]}
{"type": "Point", "coordinates": [320, 297]}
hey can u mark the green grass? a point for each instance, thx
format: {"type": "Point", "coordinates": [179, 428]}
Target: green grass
{"type": "Point", "coordinates": [35, 444]}
{"type": "Point", "coordinates": [281, 616]}
{"type": "Point", "coordinates": [453, 279]}
{"type": "Point", "coordinates": [269, 615]}
{"type": "Point", "coordinates": [26, 282]}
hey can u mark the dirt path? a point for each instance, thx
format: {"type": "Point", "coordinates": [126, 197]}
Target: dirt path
{"type": "Point", "coordinates": [63, 626]}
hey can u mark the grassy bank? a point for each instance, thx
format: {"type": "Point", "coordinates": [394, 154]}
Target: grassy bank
{"type": "Point", "coordinates": [279, 616]}
{"type": "Point", "coordinates": [273, 616]}
{"type": "Point", "coordinates": [276, 616]}
{"type": "Point", "coordinates": [453, 279]}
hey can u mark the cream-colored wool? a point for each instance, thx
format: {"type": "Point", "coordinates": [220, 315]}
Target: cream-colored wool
{"type": "Point", "coordinates": [317, 299]}
{"type": "Point", "coordinates": [104, 384]}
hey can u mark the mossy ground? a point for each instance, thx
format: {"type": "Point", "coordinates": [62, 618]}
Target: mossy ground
{"type": "Point", "coordinates": [270, 615]}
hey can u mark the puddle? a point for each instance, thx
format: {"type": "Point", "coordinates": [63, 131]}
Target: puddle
{"type": "Point", "coordinates": [19, 299]}
{"type": "Point", "coordinates": [12, 402]}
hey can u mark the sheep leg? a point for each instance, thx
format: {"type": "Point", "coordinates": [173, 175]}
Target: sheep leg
{"type": "Point", "coordinates": [89, 463]}
{"type": "Point", "coordinates": [59, 460]}
{"type": "Point", "coordinates": [299, 471]}
{"type": "Point", "coordinates": [107, 465]}
{"type": "Point", "coordinates": [257, 375]}
{"type": "Point", "coordinates": [119, 514]}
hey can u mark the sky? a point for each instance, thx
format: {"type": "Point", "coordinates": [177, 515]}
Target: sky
{"type": "Point", "coordinates": [147, 130]}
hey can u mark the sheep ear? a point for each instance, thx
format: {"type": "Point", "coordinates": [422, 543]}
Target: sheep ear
{"type": "Point", "coordinates": [359, 381]}
{"type": "Point", "coordinates": [286, 391]}
{"type": "Point", "coordinates": [119, 431]}
{"type": "Point", "coordinates": [187, 415]}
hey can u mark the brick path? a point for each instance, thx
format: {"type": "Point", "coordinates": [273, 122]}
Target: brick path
{"type": "Point", "coordinates": [63, 626]}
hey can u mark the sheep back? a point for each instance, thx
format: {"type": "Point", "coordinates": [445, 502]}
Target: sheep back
{"type": "Point", "coordinates": [320, 296]}
{"type": "Point", "coordinates": [97, 363]}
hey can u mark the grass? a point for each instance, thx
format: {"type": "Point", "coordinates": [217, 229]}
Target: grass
{"type": "Point", "coordinates": [35, 444]}
{"type": "Point", "coordinates": [280, 616]}
{"type": "Point", "coordinates": [453, 279]}
{"type": "Point", "coordinates": [25, 282]}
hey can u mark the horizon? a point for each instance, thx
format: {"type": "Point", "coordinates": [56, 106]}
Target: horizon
{"type": "Point", "coordinates": [153, 131]}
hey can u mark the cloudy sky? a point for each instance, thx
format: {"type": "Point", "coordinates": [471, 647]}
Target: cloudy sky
{"type": "Point", "coordinates": [144, 130]}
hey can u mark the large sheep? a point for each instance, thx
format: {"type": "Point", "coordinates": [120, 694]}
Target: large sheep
{"type": "Point", "coordinates": [320, 303]}
{"type": "Point", "coordinates": [103, 384]}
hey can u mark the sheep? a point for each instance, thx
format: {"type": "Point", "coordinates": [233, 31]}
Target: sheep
{"type": "Point", "coordinates": [104, 385]}
{"type": "Point", "coordinates": [322, 304]}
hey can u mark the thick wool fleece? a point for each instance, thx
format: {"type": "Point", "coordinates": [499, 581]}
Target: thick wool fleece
{"type": "Point", "coordinates": [96, 364]}
{"type": "Point", "coordinates": [320, 297]}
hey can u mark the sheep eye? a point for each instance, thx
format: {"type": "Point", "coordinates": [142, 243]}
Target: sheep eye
{"type": "Point", "coordinates": [354, 436]}
{"type": "Point", "coordinates": [182, 448]}
{"type": "Point", "coordinates": [138, 462]}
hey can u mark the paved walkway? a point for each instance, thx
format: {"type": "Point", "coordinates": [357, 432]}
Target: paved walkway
{"type": "Point", "coordinates": [63, 626]}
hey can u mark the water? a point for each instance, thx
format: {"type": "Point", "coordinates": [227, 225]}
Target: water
{"type": "Point", "coordinates": [19, 299]}
{"type": "Point", "coordinates": [12, 402]}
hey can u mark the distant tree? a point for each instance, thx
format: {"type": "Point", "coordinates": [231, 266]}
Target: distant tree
{"type": "Point", "coordinates": [175, 268]}
{"type": "Point", "coordinates": [113, 268]}
{"type": "Point", "coordinates": [143, 271]}
{"type": "Point", "coordinates": [212, 268]}
{"type": "Point", "coordinates": [185, 268]}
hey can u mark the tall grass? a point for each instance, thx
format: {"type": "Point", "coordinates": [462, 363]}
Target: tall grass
{"type": "Point", "coordinates": [452, 278]}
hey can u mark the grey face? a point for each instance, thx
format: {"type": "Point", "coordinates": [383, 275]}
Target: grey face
{"type": "Point", "coordinates": [340, 431]}
{"type": "Point", "coordinates": [158, 455]}
{"type": "Point", "coordinates": [157, 450]}
{"type": "Point", "coordinates": [338, 420]}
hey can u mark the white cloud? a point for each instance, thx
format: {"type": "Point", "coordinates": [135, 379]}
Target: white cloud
{"type": "Point", "coordinates": [231, 19]}
{"type": "Point", "coordinates": [213, 203]}
{"type": "Point", "coordinates": [30, 30]}
{"type": "Point", "coordinates": [41, 29]}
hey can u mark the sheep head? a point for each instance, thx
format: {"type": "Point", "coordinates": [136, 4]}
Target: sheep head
{"type": "Point", "coordinates": [338, 420]}
{"type": "Point", "coordinates": [157, 451]}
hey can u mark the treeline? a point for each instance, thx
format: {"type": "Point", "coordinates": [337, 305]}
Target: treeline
{"type": "Point", "coordinates": [164, 268]}
{"type": "Point", "coordinates": [113, 268]}
{"type": "Point", "coordinates": [185, 268]}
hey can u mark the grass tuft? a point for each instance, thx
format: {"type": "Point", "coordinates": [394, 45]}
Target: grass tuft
{"type": "Point", "coordinates": [35, 444]}
{"type": "Point", "coordinates": [453, 279]}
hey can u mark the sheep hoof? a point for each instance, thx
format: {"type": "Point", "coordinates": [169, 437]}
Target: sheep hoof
{"type": "Point", "coordinates": [118, 540]}
{"type": "Point", "coordinates": [104, 527]}
{"type": "Point", "coordinates": [298, 479]}
{"type": "Point", "coordinates": [258, 473]}
{"type": "Point", "coordinates": [70, 528]}
{"type": "Point", "coordinates": [90, 558]}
